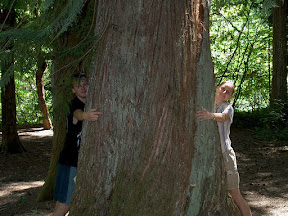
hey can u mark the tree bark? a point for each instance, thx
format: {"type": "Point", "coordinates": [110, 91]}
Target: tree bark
{"type": "Point", "coordinates": [279, 79]}
{"type": "Point", "coordinates": [147, 154]}
{"type": "Point", "coordinates": [10, 139]}
{"type": "Point", "coordinates": [41, 93]}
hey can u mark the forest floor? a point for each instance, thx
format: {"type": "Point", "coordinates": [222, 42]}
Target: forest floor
{"type": "Point", "coordinates": [262, 166]}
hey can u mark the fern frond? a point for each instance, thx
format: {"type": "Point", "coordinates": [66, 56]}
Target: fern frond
{"type": "Point", "coordinates": [66, 17]}
{"type": "Point", "coordinates": [7, 74]}
{"type": "Point", "coordinates": [268, 5]}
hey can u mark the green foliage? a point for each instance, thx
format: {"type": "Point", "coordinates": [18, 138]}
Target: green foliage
{"type": "Point", "coordinates": [274, 123]}
{"type": "Point", "coordinates": [241, 41]}
{"type": "Point", "coordinates": [28, 107]}
{"type": "Point", "coordinates": [21, 201]}
{"type": "Point", "coordinates": [60, 15]}
{"type": "Point", "coordinates": [270, 124]}
{"type": "Point", "coordinates": [34, 211]}
{"type": "Point", "coordinates": [17, 44]}
{"type": "Point", "coordinates": [268, 5]}
{"type": "Point", "coordinates": [40, 30]}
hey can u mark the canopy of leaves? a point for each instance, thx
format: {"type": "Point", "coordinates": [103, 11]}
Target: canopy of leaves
{"type": "Point", "coordinates": [241, 41]}
{"type": "Point", "coordinates": [37, 28]}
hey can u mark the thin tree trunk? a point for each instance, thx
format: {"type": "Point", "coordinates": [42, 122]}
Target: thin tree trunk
{"type": "Point", "coordinates": [279, 79]}
{"type": "Point", "coordinates": [41, 93]}
{"type": "Point", "coordinates": [147, 154]}
{"type": "Point", "coordinates": [10, 139]}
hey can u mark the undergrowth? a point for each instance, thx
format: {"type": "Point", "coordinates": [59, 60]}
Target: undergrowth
{"type": "Point", "coordinates": [269, 124]}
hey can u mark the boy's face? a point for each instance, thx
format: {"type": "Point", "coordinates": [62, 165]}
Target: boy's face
{"type": "Point", "coordinates": [80, 88]}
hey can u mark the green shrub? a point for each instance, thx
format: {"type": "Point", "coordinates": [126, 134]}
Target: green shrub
{"type": "Point", "coordinates": [270, 124]}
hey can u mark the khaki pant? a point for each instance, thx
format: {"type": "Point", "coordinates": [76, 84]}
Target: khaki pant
{"type": "Point", "coordinates": [231, 169]}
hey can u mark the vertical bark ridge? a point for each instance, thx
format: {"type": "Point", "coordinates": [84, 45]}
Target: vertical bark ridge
{"type": "Point", "coordinates": [138, 158]}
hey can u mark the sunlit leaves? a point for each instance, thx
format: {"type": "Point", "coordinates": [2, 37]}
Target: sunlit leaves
{"type": "Point", "coordinates": [241, 41]}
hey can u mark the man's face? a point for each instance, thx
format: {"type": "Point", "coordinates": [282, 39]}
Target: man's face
{"type": "Point", "coordinates": [80, 88]}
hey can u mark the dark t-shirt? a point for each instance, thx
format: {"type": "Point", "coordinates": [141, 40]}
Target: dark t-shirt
{"type": "Point", "coordinates": [69, 154]}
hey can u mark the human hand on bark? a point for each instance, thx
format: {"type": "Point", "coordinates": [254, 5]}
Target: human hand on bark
{"type": "Point", "coordinates": [203, 115]}
{"type": "Point", "coordinates": [92, 114]}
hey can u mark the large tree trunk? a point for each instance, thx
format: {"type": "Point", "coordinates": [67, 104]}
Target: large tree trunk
{"type": "Point", "coordinates": [279, 80]}
{"type": "Point", "coordinates": [10, 139]}
{"type": "Point", "coordinates": [147, 154]}
{"type": "Point", "coordinates": [41, 93]}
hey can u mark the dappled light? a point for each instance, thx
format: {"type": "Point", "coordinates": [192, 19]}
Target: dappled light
{"type": "Point", "coordinates": [35, 132]}
{"type": "Point", "coordinates": [268, 204]}
{"type": "Point", "coordinates": [19, 188]}
{"type": "Point", "coordinates": [150, 66]}
{"type": "Point", "coordinates": [22, 175]}
{"type": "Point", "coordinates": [16, 198]}
{"type": "Point", "coordinates": [262, 167]}
{"type": "Point", "coordinates": [263, 173]}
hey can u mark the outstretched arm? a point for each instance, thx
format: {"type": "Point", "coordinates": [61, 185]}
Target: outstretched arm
{"type": "Point", "coordinates": [90, 115]}
{"type": "Point", "coordinates": [203, 115]}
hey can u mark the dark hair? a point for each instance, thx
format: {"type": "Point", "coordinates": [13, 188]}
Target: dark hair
{"type": "Point", "coordinates": [76, 78]}
{"type": "Point", "coordinates": [79, 75]}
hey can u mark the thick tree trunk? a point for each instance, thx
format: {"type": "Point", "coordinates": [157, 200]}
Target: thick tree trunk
{"type": "Point", "coordinates": [147, 154]}
{"type": "Point", "coordinates": [41, 93]}
{"type": "Point", "coordinates": [279, 80]}
{"type": "Point", "coordinates": [10, 139]}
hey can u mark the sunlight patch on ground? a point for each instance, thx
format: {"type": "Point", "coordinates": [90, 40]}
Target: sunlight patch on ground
{"type": "Point", "coordinates": [35, 132]}
{"type": "Point", "coordinates": [16, 187]}
{"type": "Point", "coordinates": [265, 203]}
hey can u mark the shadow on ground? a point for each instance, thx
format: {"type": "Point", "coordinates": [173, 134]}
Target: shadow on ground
{"type": "Point", "coordinates": [263, 172]}
{"type": "Point", "coordinates": [262, 167]}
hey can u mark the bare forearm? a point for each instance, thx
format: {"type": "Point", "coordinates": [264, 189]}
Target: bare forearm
{"type": "Point", "coordinates": [203, 115]}
{"type": "Point", "coordinates": [90, 115]}
{"type": "Point", "coordinates": [220, 117]}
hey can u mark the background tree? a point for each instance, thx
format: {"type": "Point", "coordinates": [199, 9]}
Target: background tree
{"type": "Point", "coordinates": [279, 81]}
{"type": "Point", "coordinates": [17, 61]}
{"type": "Point", "coordinates": [148, 155]}
{"type": "Point", "coordinates": [27, 44]}
{"type": "Point", "coordinates": [41, 67]}
{"type": "Point", "coordinates": [10, 140]}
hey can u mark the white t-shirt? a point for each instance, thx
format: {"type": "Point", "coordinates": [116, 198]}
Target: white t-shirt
{"type": "Point", "coordinates": [224, 127]}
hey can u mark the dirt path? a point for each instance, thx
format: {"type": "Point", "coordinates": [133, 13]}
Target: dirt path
{"type": "Point", "coordinates": [263, 172]}
{"type": "Point", "coordinates": [22, 175]}
{"type": "Point", "coordinates": [262, 166]}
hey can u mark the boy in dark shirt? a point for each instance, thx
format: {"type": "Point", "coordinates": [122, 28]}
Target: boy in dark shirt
{"type": "Point", "coordinates": [67, 166]}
